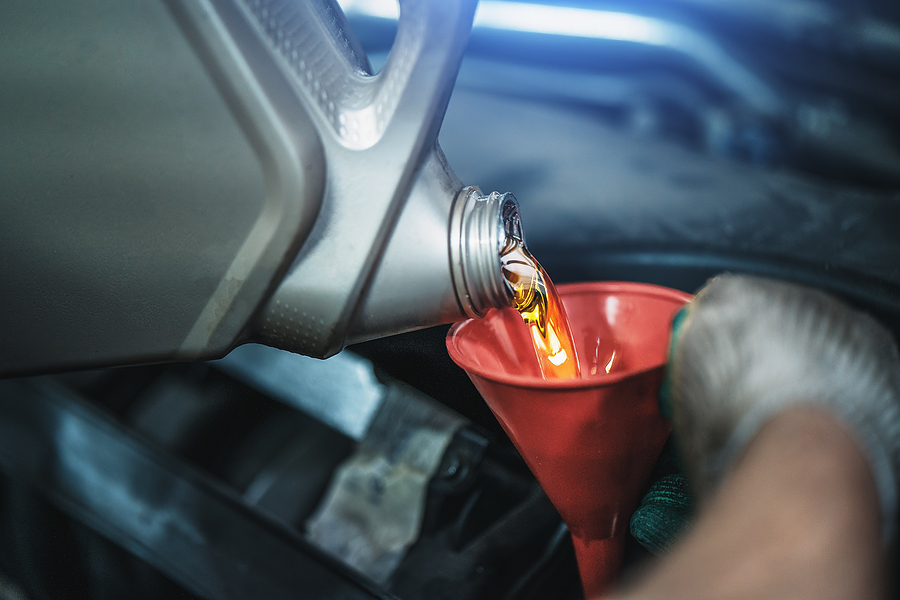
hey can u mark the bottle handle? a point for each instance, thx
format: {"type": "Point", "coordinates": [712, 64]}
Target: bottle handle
{"type": "Point", "coordinates": [377, 131]}
{"type": "Point", "coordinates": [327, 64]}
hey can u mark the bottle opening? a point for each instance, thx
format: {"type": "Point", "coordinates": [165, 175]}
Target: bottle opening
{"type": "Point", "coordinates": [479, 228]}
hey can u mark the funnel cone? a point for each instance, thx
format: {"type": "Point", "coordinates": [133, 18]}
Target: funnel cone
{"type": "Point", "coordinates": [590, 442]}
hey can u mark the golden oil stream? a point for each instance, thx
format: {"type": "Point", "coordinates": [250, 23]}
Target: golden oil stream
{"type": "Point", "coordinates": [539, 305]}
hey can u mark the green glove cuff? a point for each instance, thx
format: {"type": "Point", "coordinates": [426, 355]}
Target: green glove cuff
{"type": "Point", "coordinates": [665, 512]}
{"type": "Point", "coordinates": [665, 391]}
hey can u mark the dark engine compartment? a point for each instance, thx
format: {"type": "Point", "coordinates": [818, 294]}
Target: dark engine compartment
{"type": "Point", "coordinates": [755, 136]}
{"type": "Point", "coordinates": [196, 485]}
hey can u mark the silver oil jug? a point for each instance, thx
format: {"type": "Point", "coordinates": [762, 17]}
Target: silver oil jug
{"type": "Point", "coordinates": [181, 177]}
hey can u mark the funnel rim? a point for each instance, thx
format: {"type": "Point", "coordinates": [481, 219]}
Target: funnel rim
{"type": "Point", "coordinates": [589, 381]}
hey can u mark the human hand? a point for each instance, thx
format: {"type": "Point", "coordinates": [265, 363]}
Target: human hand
{"type": "Point", "coordinates": [748, 349]}
{"type": "Point", "coordinates": [785, 405]}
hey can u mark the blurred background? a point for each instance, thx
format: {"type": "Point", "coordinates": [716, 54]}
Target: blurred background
{"type": "Point", "coordinates": [648, 141]}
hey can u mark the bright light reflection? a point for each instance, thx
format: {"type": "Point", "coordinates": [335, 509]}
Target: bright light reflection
{"type": "Point", "coordinates": [607, 25]}
{"type": "Point", "coordinates": [383, 9]}
{"type": "Point", "coordinates": [564, 20]}
{"type": "Point", "coordinates": [611, 309]}
{"type": "Point", "coordinates": [558, 358]}
{"type": "Point", "coordinates": [539, 18]}
{"type": "Point", "coordinates": [610, 363]}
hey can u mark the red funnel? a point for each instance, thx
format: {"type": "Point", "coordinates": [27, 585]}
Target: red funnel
{"type": "Point", "coordinates": [591, 442]}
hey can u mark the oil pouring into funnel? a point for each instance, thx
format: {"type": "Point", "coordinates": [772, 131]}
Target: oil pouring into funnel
{"type": "Point", "coordinates": [534, 297]}
{"type": "Point", "coordinates": [590, 440]}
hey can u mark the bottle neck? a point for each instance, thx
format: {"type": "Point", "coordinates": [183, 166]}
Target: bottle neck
{"type": "Point", "coordinates": [479, 228]}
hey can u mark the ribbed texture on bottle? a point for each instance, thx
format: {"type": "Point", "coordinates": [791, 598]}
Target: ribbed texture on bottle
{"type": "Point", "coordinates": [479, 227]}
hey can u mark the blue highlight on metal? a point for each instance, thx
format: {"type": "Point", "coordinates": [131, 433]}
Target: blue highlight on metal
{"type": "Point", "coordinates": [570, 21]}
{"type": "Point", "coordinates": [703, 51]}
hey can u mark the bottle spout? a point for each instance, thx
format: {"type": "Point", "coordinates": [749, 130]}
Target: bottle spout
{"type": "Point", "coordinates": [442, 261]}
{"type": "Point", "coordinates": [479, 228]}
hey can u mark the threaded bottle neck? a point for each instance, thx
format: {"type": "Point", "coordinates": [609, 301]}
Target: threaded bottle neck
{"type": "Point", "coordinates": [479, 228]}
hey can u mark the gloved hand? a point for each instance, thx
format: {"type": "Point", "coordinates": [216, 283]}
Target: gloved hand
{"type": "Point", "coordinates": [747, 348]}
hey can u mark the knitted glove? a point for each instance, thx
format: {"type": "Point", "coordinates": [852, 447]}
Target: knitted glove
{"type": "Point", "coordinates": [664, 513]}
{"type": "Point", "coordinates": [748, 348]}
